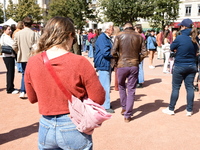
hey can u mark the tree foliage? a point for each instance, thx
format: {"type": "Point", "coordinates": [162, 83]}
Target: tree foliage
{"type": "Point", "coordinates": [1, 13]}
{"type": "Point", "coordinates": [165, 13]}
{"type": "Point", "coordinates": [159, 12]}
{"type": "Point", "coordinates": [24, 8]}
{"type": "Point", "coordinates": [120, 11]}
{"type": "Point", "coordinates": [78, 10]}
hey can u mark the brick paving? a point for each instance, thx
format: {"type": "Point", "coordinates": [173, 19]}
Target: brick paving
{"type": "Point", "coordinates": [150, 129]}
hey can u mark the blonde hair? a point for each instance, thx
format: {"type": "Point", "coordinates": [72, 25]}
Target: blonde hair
{"type": "Point", "coordinates": [116, 30]}
{"type": "Point", "coordinates": [56, 32]}
{"type": "Point", "coordinates": [20, 25]}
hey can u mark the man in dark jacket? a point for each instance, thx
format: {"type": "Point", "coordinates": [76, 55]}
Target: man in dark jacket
{"type": "Point", "coordinates": [129, 46]}
{"type": "Point", "coordinates": [102, 59]}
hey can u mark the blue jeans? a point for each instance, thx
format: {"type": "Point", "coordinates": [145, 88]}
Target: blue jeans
{"type": "Point", "coordinates": [91, 51]}
{"type": "Point", "coordinates": [58, 132]}
{"type": "Point", "coordinates": [127, 97]}
{"type": "Point", "coordinates": [186, 74]}
{"type": "Point", "coordinates": [19, 67]}
{"type": "Point", "coordinates": [105, 78]}
{"type": "Point", "coordinates": [141, 73]}
{"type": "Point", "coordinates": [23, 65]}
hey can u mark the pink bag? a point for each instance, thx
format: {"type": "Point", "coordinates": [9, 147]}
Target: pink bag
{"type": "Point", "coordinates": [86, 114]}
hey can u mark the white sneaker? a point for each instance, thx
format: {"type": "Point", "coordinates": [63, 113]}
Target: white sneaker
{"type": "Point", "coordinates": [167, 111]}
{"type": "Point", "coordinates": [151, 67]}
{"type": "Point", "coordinates": [15, 92]}
{"type": "Point", "coordinates": [189, 113]}
{"type": "Point", "coordinates": [22, 95]}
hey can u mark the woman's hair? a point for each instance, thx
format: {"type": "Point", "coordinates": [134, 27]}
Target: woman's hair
{"type": "Point", "coordinates": [4, 28]}
{"type": "Point", "coordinates": [194, 34]}
{"type": "Point", "coordinates": [165, 35]}
{"type": "Point", "coordinates": [13, 27]}
{"type": "Point", "coordinates": [20, 25]}
{"type": "Point", "coordinates": [56, 32]}
{"type": "Point", "coordinates": [116, 30]}
{"type": "Point", "coordinates": [139, 28]}
{"type": "Point", "coordinates": [97, 32]}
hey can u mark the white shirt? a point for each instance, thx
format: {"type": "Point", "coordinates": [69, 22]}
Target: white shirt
{"type": "Point", "coordinates": [6, 40]}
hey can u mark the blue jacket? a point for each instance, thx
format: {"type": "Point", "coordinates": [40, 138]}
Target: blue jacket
{"type": "Point", "coordinates": [150, 44]}
{"type": "Point", "coordinates": [185, 49]}
{"type": "Point", "coordinates": [102, 55]}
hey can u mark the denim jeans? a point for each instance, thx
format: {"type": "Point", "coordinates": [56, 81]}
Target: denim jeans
{"type": "Point", "coordinates": [22, 89]}
{"type": "Point", "coordinates": [141, 73]}
{"type": "Point", "coordinates": [91, 51]}
{"type": "Point", "coordinates": [127, 97]}
{"type": "Point", "coordinates": [186, 74]}
{"type": "Point", "coordinates": [105, 79]}
{"type": "Point", "coordinates": [58, 132]}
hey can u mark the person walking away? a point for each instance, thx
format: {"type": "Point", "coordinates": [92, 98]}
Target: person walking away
{"type": "Point", "coordinates": [20, 26]}
{"type": "Point", "coordinates": [56, 130]}
{"type": "Point", "coordinates": [113, 61]}
{"type": "Point", "coordinates": [184, 68]}
{"type": "Point", "coordinates": [159, 47]}
{"type": "Point", "coordinates": [131, 50]}
{"type": "Point", "coordinates": [84, 37]}
{"type": "Point", "coordinates": [23, 43]}
{"type": "Point", "coordinates": [138, 28]}
{"type": "Point", "coordinates": [151, 46]}
{"type": "Point", "coordinates": [102, 61]}
{"type": "Point", "coordinates": [9, 60]}
{"type": "Point", "coordinates": [76, 48]}
{"type": "Point", "coordinates": [166, 51]}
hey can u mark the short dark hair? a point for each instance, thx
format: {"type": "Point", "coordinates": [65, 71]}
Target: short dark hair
{"type": "Point", "coordinates": [27, 21]}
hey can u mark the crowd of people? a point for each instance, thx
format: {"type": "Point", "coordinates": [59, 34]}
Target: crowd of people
{"type": "Point", "coordinates": [121, 50]}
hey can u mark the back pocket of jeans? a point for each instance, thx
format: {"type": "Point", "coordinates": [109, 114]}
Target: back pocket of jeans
{"type": "Point", "coordinates": [43, 130]}
{"type": "Point", "coordinates": [74, 139]}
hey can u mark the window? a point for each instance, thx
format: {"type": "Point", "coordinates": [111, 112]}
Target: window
{"type": "Point", "coordinates": [199, 9]}
{"type": "Point", "coordinates": [188, 10]}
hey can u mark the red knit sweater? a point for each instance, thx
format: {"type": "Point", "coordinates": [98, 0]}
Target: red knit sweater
{"type": "Point", "coordinates": [76, 74]}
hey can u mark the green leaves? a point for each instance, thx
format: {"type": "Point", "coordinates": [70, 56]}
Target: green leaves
{"type": "Point", "coordinates": [159, 12]}
{"type": "Point", "coordinates": [78, 10]}
{"type": "Point", "coordinates": [24, 8]}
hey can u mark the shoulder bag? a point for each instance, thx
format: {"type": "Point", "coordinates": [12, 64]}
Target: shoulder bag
{"type": "Point", "coordinates": [6, 49]}
{"type": "Point", "coordinates": [86, 114]}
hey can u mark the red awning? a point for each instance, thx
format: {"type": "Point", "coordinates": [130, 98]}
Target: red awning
{"type": "Point", "coordinates": [175, 24]}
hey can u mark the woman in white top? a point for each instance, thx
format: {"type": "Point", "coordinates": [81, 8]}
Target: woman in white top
{"type": "Point", "coordinates": [9, 60]}
{"type": "Point", "coordinates": [166, 51]}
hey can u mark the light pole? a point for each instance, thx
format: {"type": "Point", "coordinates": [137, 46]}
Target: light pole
{"type": "Point", "coordinates": [4, 10]}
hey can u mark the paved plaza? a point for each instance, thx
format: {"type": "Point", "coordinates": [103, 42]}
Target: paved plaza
{"type": "Point", "coordinates": [150, 129]}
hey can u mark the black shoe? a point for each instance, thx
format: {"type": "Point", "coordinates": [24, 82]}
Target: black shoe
{"type": "Point", "coordinates": [139, 85]}
{"type": "Point", "coordinates": [110, 111]}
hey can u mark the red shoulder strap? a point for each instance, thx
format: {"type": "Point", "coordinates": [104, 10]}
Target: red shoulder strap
{"type": "Point", "coordinates": [54, 75]}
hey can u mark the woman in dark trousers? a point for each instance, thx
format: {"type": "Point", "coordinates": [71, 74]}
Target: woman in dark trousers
{"type": "Point", "coordinates": [185, 67]}
{"type": "Point", "coordinates": [9, 60]}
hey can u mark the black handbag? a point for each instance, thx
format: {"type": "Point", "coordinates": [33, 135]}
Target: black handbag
{"type": "Point", "coordinates": [6, 49]}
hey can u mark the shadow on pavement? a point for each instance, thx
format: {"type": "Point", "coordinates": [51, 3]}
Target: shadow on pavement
{"type": "Point", "coordinates": [152, 81]}
{"type": "Point", "coordinates": [2, 89]}
{"type": "Point", "coordinates": [148, 108]}
{"type": "Point", "coordinates": [116, 104]}
{"type": "Point", "coordinates": [3, 72]}
{"type": "Point", "coordinates": [18, 133]}
{"type": "Point", "coordinates": [196, 107]}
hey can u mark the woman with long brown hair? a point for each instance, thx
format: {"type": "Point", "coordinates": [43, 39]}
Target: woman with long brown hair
{"type": "Point", "coordinates": [56, 130]}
